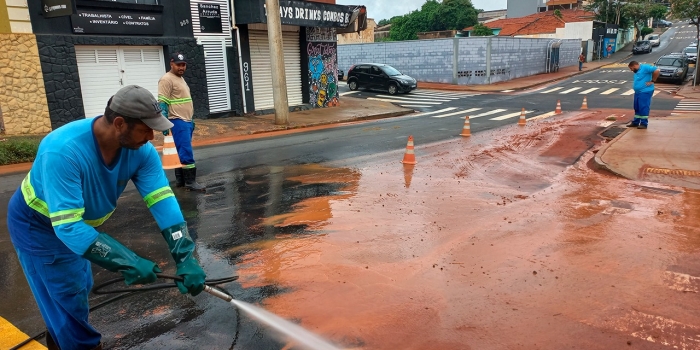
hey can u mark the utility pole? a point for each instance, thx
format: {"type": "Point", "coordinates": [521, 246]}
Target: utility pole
{"type": "Point", "coordinates": [279, 79]}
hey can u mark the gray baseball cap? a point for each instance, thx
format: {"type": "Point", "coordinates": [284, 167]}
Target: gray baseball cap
{"type": "Point", "coordinates": [136, 102]}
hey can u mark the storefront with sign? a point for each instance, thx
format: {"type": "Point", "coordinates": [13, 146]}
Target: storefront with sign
{"type": "Point", "coordinates": [89, 49]}
{"type": "Point", "coordinates": [310, 52]}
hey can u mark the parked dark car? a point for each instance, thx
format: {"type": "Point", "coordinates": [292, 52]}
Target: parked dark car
{"type": "Point", "coordinates": [674, 67]}
{"type": "Point", "coordinates": [375, 76]}
{"type": "Point", "coordinates": [642, 46]}
{"type": "Point", "coordinates": [660, 23]}
{"type": "Point", "coordinates": [341, 75]}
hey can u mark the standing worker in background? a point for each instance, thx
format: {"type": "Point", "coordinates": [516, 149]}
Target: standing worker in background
{"type": "Point", "coordinates": [176, 103]}
{"type": "Point", "coordinates": [80, 171]}
{"type": "Point", "coordinates": [644, 78]}
{"type": "Point", "coordinates": [581, 59]}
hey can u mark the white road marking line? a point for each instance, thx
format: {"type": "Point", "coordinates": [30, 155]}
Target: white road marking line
{"type": "Point", "coordinates": [414, 106]}
{"type": "Point", "coordinates": [507, 90]}
{"type": "Point", "coordinates": [442, 95]}
{"type": "Point", "coordinates": [414, 99]}
{"type": "Point", "coordinates": [609, 91]}
{"type": "Point", "coordinates": [424, 95]}
{"type": "Point", "coordinates": [656, 92]}
{"type": "Point", "coordinates": [552, 90]}
{"type": "Point", "coordinates": [511, 115]}
{"type": "Point", "coordinates": [348, 93]}
{"type": "Point", "coordinates": [588, 91]}
{"type": "Point", "coordinates": [457, 113]}
{"type": "Point", "coordinates": [435, 112]}
{"type": "Point", "coordinates": [570, 90]}
{"type": "Point", "coordinates": [542, 116]}
{"type": "Point", "coordinates": [399, 101]}
{"type": "Point", "coordinates": [629, 92]}
{"type": "Point", "coordinates": [495, 111]}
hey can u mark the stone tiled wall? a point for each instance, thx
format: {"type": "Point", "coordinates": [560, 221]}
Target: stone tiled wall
{"type": "Point", "coordinates": [22, 94]}
{"type": "Point", "coordinates": [432, 60]}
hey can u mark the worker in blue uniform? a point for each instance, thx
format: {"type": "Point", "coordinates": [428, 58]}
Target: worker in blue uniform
{"type": "Point", "coordinates": [79, 172]}
{"type": "Point", "coordinates": [644, 78]}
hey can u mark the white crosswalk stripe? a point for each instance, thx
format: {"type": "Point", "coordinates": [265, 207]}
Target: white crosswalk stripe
{"type": "Point", "coordinates": [552, 90]}
{"type": "Point", "coordinates": [414, 99]}
{"type": "Point", "coordinates": [570, 90]}
{"type": "Point", "coordinates": [498, 114]}
{"type": "Point", "coordinates": [687, 106]}
{"type": "Point", "coordinates": [608, 92]}
{"type": "Point", "coordinates": [463, 113]}
{"type": "Point", "coordinates": [511, 115]}
{"type": "Point", "coordinates": [588, 91]}
{"type": "Point", "coordinates": [629, 92]}
{"type": "Point", "coordinates": [485, 114]}
{"type": "Point", "coordinates": [442, 94]}
{"type": "Point", "coordinates": [435, 112]}
{"type": "Point", "coordinates": [403, 101]}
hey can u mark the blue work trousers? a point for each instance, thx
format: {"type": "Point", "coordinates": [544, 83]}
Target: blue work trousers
{"type": "Point", "coordinates": [642, 105]}
{"type": "Point", "coordinates": [182, 135]}
{"type": "Point", "coordinates": [60, 282]}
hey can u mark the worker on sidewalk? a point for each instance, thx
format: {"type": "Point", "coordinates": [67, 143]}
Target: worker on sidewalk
{"type": "Point", "coordinates": [176, 103]}
{"type": "Point", "coordinates": [79, 172]}
{"type": "Point", "coordinates": [581, 59]}
{"type": "Point", "coordinates": [644, 78]}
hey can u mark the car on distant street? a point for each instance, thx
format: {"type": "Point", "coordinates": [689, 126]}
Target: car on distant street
{"type": "Point", "coordinates": [692, 53]}
{"type": "Point", "coordinates": [642, 46]}
{"type": "Point", "coordinates": [375, 76]}
{"type": "Point", "coordinates": [673, 67]}
{"type": "Point", "coordinates": [341, 75]}
{"type": "Point", "coordinates": [660, 23]}
{"type": "Point", "coordinates": [654, 39]}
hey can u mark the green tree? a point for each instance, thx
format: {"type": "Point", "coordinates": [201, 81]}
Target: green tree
{"type": "Point", "coordinates": [646, 31]}
{"type": "Point", "coordinates": [609, 11]}
{"type": "Point", "coordinates": [639, 12]}
{"type": "Point", "coordinates": [481, 30]}
{"type": "Point", "coordinates": [434, 16]}
{"type": "Point", "coordinates": [383, 22]}
{"type": "Point", "coordinates": [687, 9]}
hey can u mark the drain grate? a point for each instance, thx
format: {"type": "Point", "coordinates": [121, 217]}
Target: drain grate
{"type": "Point", "coordinates": [613, 132]}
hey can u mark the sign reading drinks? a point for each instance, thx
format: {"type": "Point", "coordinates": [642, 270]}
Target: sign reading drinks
{"type": "Point", "coordinates": [296, 13]}
{"type": "Point", "coordinates": [113, 22]}
{"type": "Point", "coordinates": [210, 18]}
{"type": "Point", "coordinates": [56, 8]}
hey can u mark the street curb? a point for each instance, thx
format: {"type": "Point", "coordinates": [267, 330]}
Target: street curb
{"type": "Point", "coordinates": [598, 159]}
{"type": "Point", "coordinates": [25, 167]}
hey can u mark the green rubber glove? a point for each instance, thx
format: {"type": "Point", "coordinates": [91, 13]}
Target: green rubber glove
{"type": "Point", "coordinates": [166, 132]}
{"type": "Point", "coordinates": [108, 253]}
{"type": "Point", "coordinates": [182, 249]}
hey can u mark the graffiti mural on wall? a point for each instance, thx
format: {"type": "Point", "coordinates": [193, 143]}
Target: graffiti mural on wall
{"type": "Point", "coordinates": [322, 51]}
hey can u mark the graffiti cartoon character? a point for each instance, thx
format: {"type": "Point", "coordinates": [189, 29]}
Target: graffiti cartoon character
{"type": "Point", "coordinates": [332, 89]}
{"type": "Point", "coordinates": [321, 98]}
{"type": "Point", "coordinates": [324, 80]}
{"type": "Point", "coordinates": [316, 67]}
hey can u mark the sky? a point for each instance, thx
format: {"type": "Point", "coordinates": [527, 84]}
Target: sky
{"type": "Point", "coordinates": [384, 9]}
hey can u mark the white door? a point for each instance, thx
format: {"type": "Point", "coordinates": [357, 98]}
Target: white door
{"type": "Point", "coordinates": [217, 74]}
{"type": "Point", "coordinates": [104, 70]}
{"type": "Point", "coordinates": [260, 67]}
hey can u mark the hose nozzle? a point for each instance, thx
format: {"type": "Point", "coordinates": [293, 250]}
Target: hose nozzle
{"type": "Point", "coordinates": [218, 293]}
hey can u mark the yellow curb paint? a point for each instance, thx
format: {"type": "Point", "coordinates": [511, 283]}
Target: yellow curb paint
{"type": "Point", "coordinates": [11, 336]}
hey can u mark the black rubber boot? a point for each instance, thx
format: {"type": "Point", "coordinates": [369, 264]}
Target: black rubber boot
{"type": "Point", "coordinates": [191, 182]}
{"type": "Point", "coordinates": [179, 178]}
{"type": "Point", "coordinates": [632, 125]}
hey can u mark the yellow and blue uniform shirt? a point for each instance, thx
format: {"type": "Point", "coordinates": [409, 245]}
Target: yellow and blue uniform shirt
{"type": "Point", "coordinates": [70, 191]}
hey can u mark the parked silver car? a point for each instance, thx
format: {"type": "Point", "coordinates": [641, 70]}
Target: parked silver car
{"type": "Point", "coordinates": [692, 53]}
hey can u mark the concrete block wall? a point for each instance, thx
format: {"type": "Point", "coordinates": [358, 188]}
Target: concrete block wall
{"type": "Point", "coordinates": [432, 60]}
{"type": "Point", "coordinates": [425, 60]}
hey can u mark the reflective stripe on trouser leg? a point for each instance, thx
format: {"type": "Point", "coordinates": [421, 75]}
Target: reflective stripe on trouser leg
{"type": "Point", "coordinates": [182, 135]}
{"type": "Point", "coordinates": [60, 284]}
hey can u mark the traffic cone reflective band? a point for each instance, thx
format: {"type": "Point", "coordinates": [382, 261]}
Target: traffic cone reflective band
{"type": "Point", "coordinates": [585, 103]}
{"type": "Point", "coordinates": [466, 130]}
{"type": "Point", "coordinates": [522, 120]}
{"type": "Point", "coordinates": [410, 156]}
{"type": "Point", "coordinates": [170, 159]}
{"type": "Point", "coordinates": [558, 110]}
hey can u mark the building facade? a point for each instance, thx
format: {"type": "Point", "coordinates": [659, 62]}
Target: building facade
{"type": "Point", "coordinates": [522, 8]}
{"type": "Point", "coordinates": [23, 106]}
{"type": "Point", "coordinates": [310, 53]}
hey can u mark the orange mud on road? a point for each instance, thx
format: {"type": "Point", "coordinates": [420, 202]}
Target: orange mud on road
{"type": "Point", "coordinates": [507, 244]}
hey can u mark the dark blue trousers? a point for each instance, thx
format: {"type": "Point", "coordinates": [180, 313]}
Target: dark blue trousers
{"type": "Point", "coordinates": [182, 135]}
{"type": "Point", "coordinates": [642, 105]}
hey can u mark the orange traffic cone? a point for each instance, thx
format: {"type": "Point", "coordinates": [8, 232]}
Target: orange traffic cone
{"type": "Point", "coordinates": [410, 156]}
{"type": "Point", "coordinates": [585, 103]}
{"type": "Point", "coordinates": [466, 130]}
{"type": "Point", "coordinates": [170, 159]}
{"type": "Point", "coordinates": [558, 110]}
{"type": "Point", "coordinates": [522, 120]}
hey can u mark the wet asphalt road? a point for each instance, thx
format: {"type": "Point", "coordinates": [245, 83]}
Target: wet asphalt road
{"type": "Point", "coordinates": [249, 183]}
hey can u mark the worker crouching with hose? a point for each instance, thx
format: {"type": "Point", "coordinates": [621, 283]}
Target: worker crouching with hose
{"type": "Point", "coordinates": [79, 172]}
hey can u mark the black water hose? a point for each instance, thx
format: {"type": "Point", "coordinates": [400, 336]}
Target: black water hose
{"type": "Point", "coordinates": [131, 291]}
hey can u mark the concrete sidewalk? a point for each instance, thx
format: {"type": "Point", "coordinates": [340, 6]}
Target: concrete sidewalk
{"type": "Point", "coordinates": [689, 91]}
{"type": "Point", "coordinates": [535, 80]}
{"type": "Point", "coordinates": [668, 152]}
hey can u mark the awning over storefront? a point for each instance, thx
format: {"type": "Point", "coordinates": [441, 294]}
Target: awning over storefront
{"type": "Point", "coordinates": [296, 13]}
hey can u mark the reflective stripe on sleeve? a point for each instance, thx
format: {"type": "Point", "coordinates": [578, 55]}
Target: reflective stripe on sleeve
{"type": "Point", "coordinates": [31, 199]}
{"type": "Point", "coordinates": [158, 195]}
{"type": "Point", "coordinates": [66, 216]}
{"type": "Point", "coordinates": [100, 221]}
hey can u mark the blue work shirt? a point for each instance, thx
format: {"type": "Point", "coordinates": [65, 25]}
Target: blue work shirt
{"type": "Point", "coordinates": [70, 190]}
{"type": "Point", "coordinates": [642, 77]}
